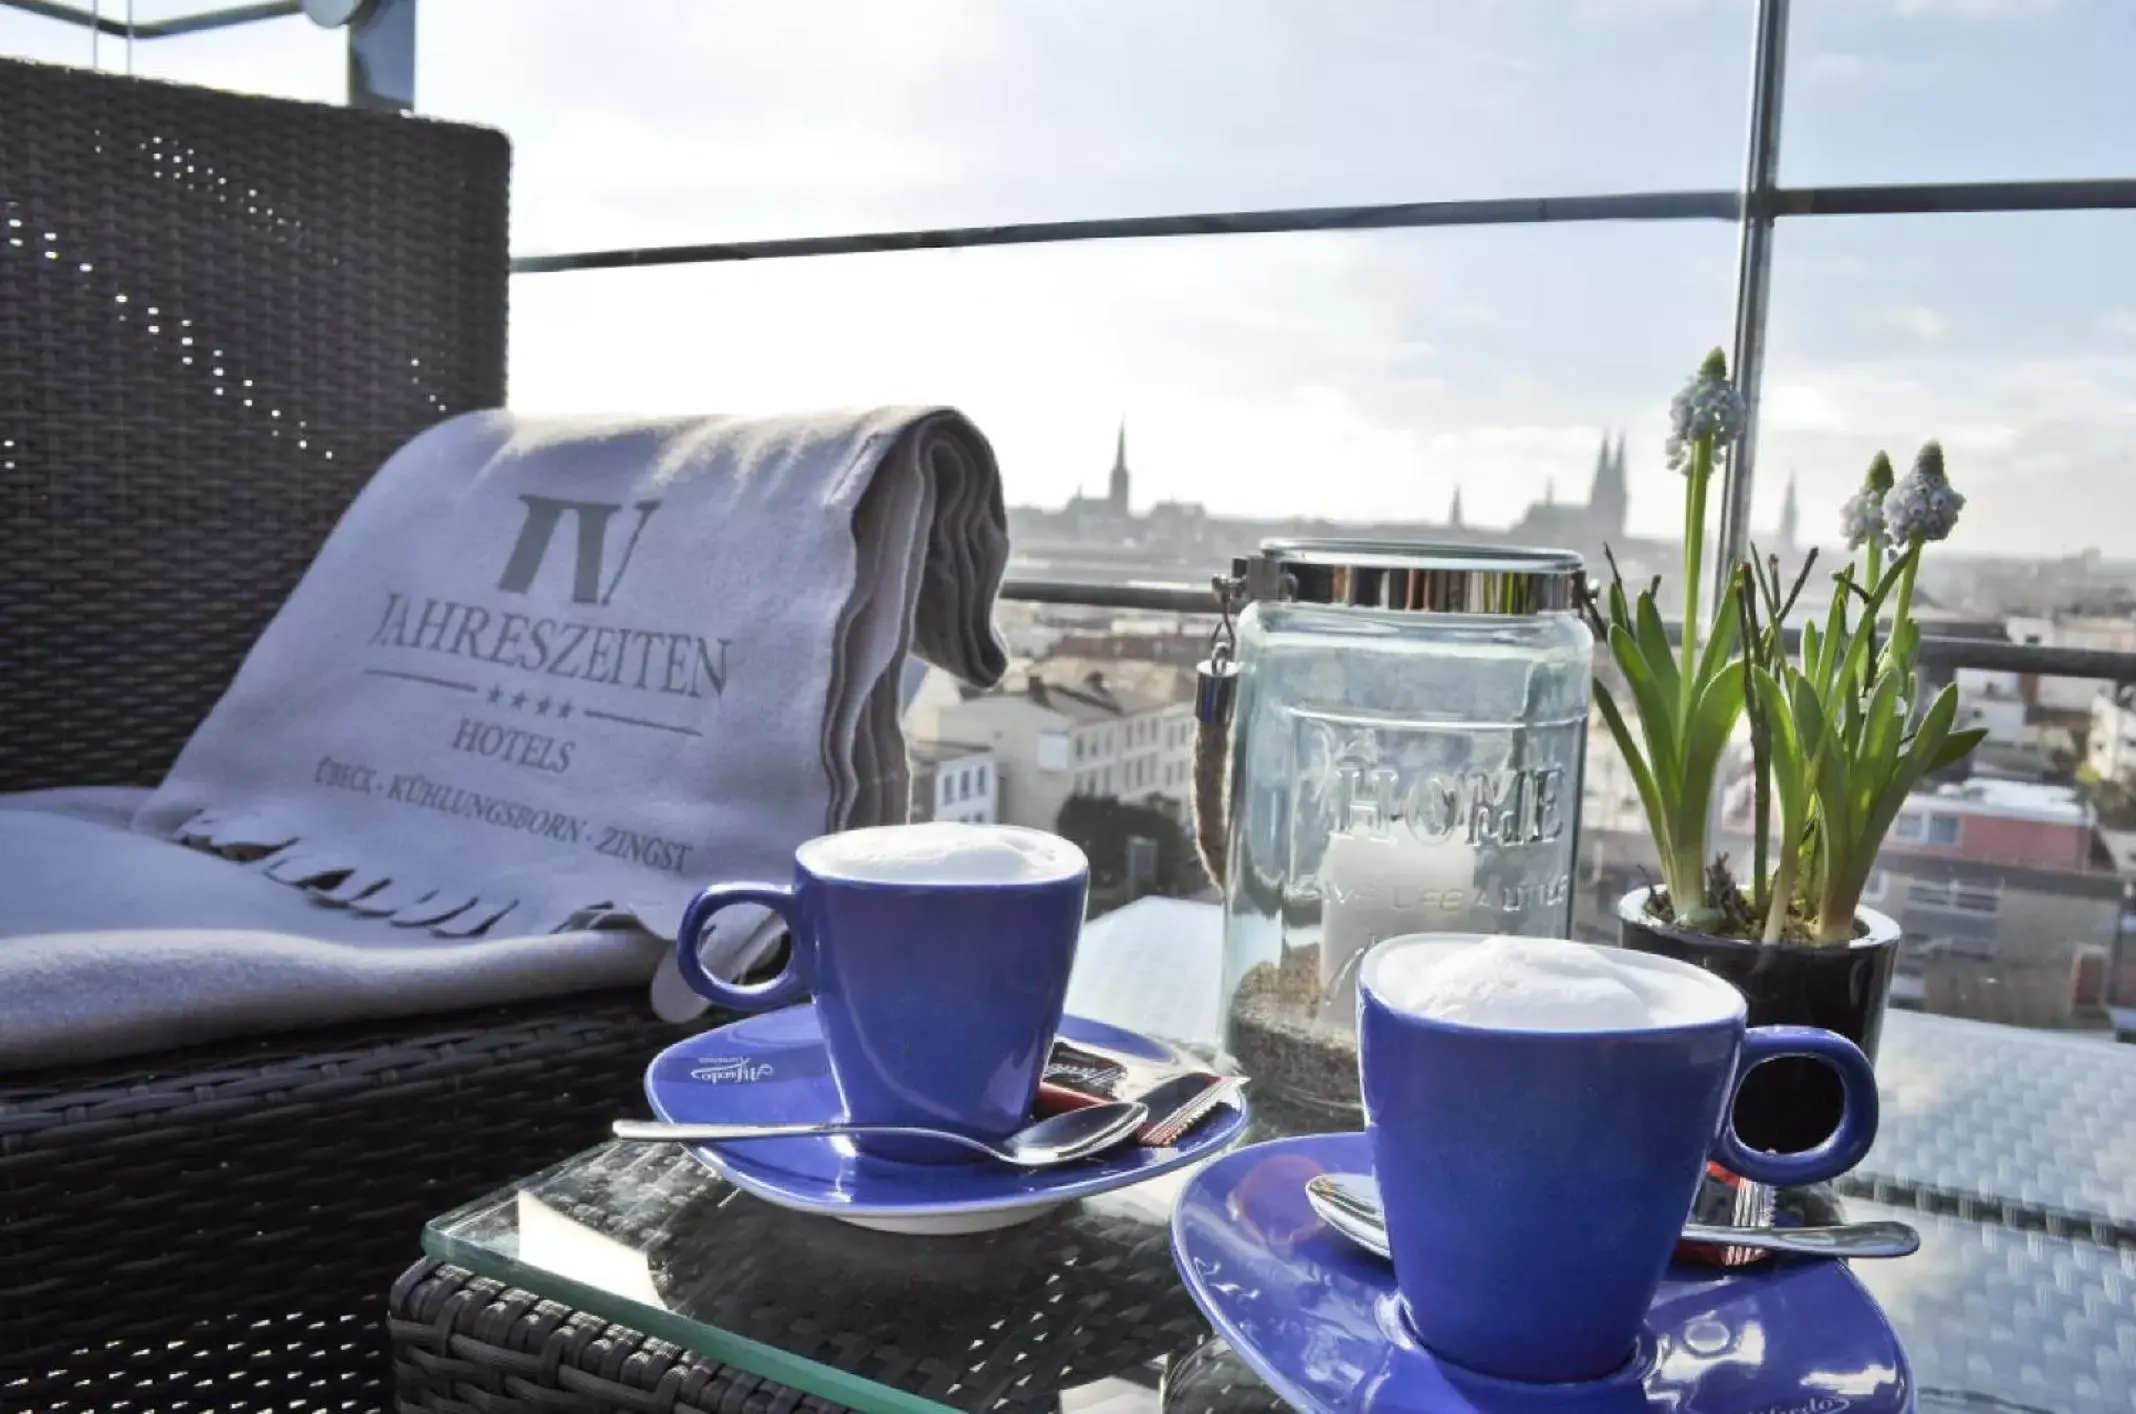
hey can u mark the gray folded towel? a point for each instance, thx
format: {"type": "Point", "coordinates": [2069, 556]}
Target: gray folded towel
{"type": "Point", "coordinates": [545, 673]}
{"type": "Point", "coordinates": [114, 944]}
{"type": "Point", "coordinates": [542, 683]}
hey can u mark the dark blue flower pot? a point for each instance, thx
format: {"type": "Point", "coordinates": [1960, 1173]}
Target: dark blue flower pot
{"type": "Point", "coordinates": [1786, 1105]}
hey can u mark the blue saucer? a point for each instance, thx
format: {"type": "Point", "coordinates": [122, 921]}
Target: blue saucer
{"type": "Point", "coordinates": [1318, 1319]}
{"type": "Point", "coordinates": [771, 1069]}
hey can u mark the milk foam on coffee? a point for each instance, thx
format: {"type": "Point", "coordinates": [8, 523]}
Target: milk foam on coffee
{"type": "Point", "coordinates": [943, 852]}
{"type": "Point", "coordinates": [1543, 984]}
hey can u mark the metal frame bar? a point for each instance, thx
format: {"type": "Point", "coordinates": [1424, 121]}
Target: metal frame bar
{"type": "Point", "coordinates": [1516, 211]}
{"type": "Point", "coordinates": [382, 57]}
{"type": "Point", "coordinates": [1936, 651]}
{"type": "Point", "coordinates": [2107, 194]}
{"type": "Point", "coordinates": [1754, 273]}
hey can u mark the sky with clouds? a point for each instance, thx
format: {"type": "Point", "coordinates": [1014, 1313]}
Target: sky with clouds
{"type": "Point", "coordinates": [1345, 375]}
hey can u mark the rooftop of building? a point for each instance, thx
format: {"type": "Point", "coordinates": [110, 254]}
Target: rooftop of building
{"type": "Point", "coordinates": [2015, 800]}
{"type": "Point", "coordinates": [1629, 855]}
{"type": "Point", "coordinates": [1090, 696]}
{"type": "Point", "coordinates": [2121, 844]}
{"type": "Point", "coordinates": [1082, 694]}
{"type": "Point", "coordinates": [934, 753]}
{"type": "Point", "coordinates": [1140, 679]}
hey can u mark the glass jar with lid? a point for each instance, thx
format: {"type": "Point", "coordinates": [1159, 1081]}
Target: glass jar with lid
{"type": "Point", "coordinates": [1407, 724]}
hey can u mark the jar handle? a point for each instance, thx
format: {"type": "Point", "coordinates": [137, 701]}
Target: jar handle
{"type": "Point", "coordinates": [1216, 678]}
{"type": "Point", "coordinates": [1216, 683]}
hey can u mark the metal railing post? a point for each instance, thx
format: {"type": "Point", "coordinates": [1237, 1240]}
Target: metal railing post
{"type": "Point", "coordinates": [382, 56]}
{"type": "Point", "coordinates": [1754, 254]}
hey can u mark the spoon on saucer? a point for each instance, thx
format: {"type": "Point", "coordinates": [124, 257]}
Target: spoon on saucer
{"type": "Point", "coordinates": [1349, 1203]}
{"type": "Point", "coordinates": [1058, 1139]}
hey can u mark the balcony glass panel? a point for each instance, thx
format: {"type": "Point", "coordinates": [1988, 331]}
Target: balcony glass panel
{"type": "Point", "coordinates": [640, 122]}
{"type": "Point", "coordinates": [282, 58]}
{"type": "Point", "coordinates": [1957, 90]}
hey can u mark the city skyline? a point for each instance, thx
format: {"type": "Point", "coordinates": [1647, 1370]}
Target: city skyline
{"type": "Point", "coordinates": [1606, 480]}
{"type": "Point", "coordinates": [1355, 375]}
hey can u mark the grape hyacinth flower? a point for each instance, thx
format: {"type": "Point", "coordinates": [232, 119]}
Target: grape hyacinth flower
{"type": "Point", "coordinates": [1923, 505]}
{"type": "Point", "coordinates": [1707, 404]}
{"type": "Point", "coordinates": [1862, 518]}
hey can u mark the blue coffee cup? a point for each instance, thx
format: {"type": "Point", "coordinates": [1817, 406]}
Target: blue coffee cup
{"type": "Point", "coordinates": [1535, 1182]}
{"type": "Point", "coordinates": [938, 997]}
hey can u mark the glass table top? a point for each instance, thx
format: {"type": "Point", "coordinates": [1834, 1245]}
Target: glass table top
{"type": "Point", "coordinates": [2022, 1298]}
{"type": "Point", "coordinates": [1081, 1310]}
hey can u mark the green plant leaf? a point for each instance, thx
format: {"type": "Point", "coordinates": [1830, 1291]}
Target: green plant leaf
{"type": "Point", "coordinates": [1886, 711]}
{"type": "Point", "coordinates": [1860, 857]}
{"type": "Point", "coordinates": [1642, 776]}
{"type": "Point", "coordinates": [1929, 737]}
{"type": "Point", "coordinates": [1824, 765]}
{"type": "Point", "coordinates": [1657, 712]}
{"type": "Point", "coordinates": [1877, 752]}
{"type": "Point", "coordinates": [1927, 744]}
{"type": "Point", "coordinates": [1788, 783]}
{"type": "Point", "coordinates": [1956, 747]}
{"type": "Point", "coordinates": [1807, 714]}
{"type": "Point", "coordinates": [1713, 720]}
{"type": "Point", "coordinates": [1854, 666]}
{"type": "Point", "coordinates": [1653, 641]}
{"type": "Point", "coordinates": [1835, 642]}
{"type": "Point", "coordinates": [1791, 788]}
{"type": "Point", "coordinates": [1900, 651]}
{"type": "Point", "coordinates": [1715, 657]}
{"type": "Point", "coordinates": [1812, 650]}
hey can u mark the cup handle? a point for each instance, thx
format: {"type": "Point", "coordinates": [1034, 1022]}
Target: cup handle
{"type": "Point", "coordinates": [1848, 1144]}
{"type": "Point", "coordinates": [777, 991]}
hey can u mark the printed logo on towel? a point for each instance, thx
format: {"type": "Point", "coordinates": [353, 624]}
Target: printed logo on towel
{"type": "Point", "coordinates": [601, 534]}
{"type": "Point", "coordinates": [544, 515]}
{"type": "Point", "coordinates": [541, 676]}
{"type": "Point", "coordinates": [1815, 1404]}
{"type": "Point", "coordinates": [722, 1071]}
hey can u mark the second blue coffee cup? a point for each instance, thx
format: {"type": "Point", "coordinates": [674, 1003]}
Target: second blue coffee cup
{"type": "Point", "coordinates": [938, 996]}
{"type": "Point", "coordinates": [1535, 1182]}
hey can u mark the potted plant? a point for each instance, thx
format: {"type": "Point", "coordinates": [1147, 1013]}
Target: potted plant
{"type": "Point", "coordinates": [1838, 737]}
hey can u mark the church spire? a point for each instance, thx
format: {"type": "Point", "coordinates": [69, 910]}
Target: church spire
{"type": "Point", "coordinates": [1116, 493]}
{"type": "Point", "coordinates": [1790, 515]}
{"type": "Point", "coordinates": [1607, 501]}
{"type": "Point", "coordinates": [1453, 512]}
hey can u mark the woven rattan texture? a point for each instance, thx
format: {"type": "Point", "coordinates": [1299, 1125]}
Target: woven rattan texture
{"type": "Point", "coordinates": [218, 315]}
{"type": "Point", "coordinates": [216, 1230]}
{"type": "Point", "coordinates": [464, 1344]}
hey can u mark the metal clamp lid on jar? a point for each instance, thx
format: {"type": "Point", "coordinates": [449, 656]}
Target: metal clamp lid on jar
{"type": "Point", "coordinates": [1413, 577]}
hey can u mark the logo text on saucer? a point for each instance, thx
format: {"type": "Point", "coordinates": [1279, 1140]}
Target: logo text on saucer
{"type": "Point", "coordinates": [737, 1071]}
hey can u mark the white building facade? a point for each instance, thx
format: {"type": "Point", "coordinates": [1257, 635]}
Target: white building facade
{"type": "Point", "coordinates": [1994, 701]}
{"type": "Point", "coordinates": [2105, 631]}
{"type": "Point", "coordinates": [1053, 740]}
{"type": "Point", "coordinates": [2110, 750]}
{"type": "Point", "coordinates": [955, 780]}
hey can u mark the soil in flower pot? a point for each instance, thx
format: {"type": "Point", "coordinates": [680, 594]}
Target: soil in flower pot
{"type": "Point", "coordinates": [1786, 1105]}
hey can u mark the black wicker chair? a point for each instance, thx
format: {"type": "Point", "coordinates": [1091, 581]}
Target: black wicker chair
{"type": "Point", "coordinates": [218, 315]}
